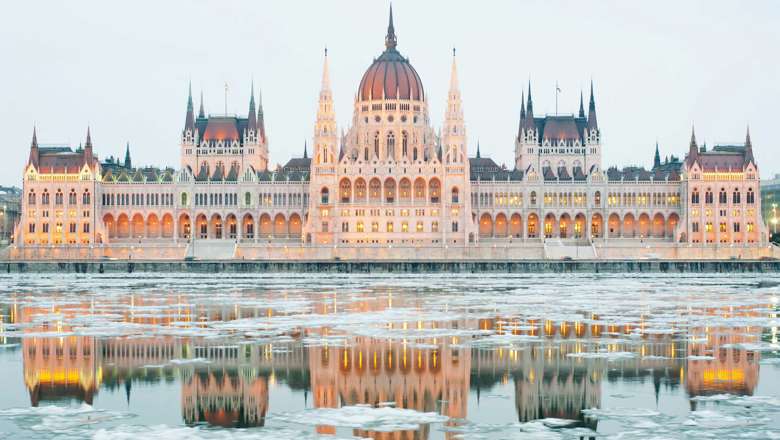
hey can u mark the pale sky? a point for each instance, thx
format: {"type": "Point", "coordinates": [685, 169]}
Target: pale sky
{"type": "Point", "coordinates": [123, 68]}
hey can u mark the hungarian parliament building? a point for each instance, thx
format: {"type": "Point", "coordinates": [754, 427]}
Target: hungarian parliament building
{"type": "Point", "coordinates": [391, 186]}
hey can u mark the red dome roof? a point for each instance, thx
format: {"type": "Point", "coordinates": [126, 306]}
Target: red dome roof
{"type": "Point", "coordinates": [391, 76]}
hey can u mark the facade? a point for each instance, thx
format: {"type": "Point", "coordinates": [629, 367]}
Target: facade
{"type": "Point", "coordinates": [770, 197]}
{"type": "Point", "coordinates": [10, 208]}
{"type": "Point", "coordinates": [393, 185]}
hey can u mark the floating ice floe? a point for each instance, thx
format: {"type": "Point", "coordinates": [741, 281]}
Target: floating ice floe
{"type": "Point", "coordinates": [383, 419]}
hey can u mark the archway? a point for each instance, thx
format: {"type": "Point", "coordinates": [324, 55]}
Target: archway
{"type": "Point", "coordinates": [360, 191]}
{"type": "Point", "coordinates": [434, 190]}
{"type": "Point", "coordinates": [215, 226]}
{"type": "Point", "coordinates": [597, 226]}
{"type": "Point", "coordinates": [295, 226]}
{"type": "Point", "coordinates": [614, 226]}
{"type": "Point", "coordinates": [185, 228]}
{"type": "Point", "coordinates": [643, 225]}
{"type": "Point", "coordinates": [110, 225]}
{"type": "Point", "coordinates": [390, 190]}
{"type": "Point", "coordinates": [345, 191]}
{"type": "Point", "coordinates": [671, 225]}
{"type": "Point", "coordinates": [123, 226]}
{"type": "Point", "coordinates": [152, 226]}
{"type": "Point", "coordinates": [501, 226]}
{"type": "Point", "coordinates": [266, 226]}
{"type": "Point", "coordinates": [248, 226]}
{"type": "Point", "coordinates": [564, 225]}
{"type": "Point", "coordinates": [549, 225]}
{"type": "Point", "coordinates": [516, 225]}
{"type": "Point", "coordinates": [658, 226]}
{"type": "Point", "coordinates": [485, 226]}
{"type": "Point", "coordinates": [167, 225]}
{"type": "Point", "coordinates": [419, 190]}
{"type": "Point", "coordinates": [231, 226]}
{"type": "Point", "coordinates": [137, 225]}
{"type": "Point", "coordinates": [579, 226]}
{"type": "Point", "coordinates": [280, 226]}
{"type": "Point", "coordinates": [629, 225]}
{"type": "Point", "coordinates": [375, 190]}
{"type": "Point", "coordinates": [202, 226]}
{"type": "Point", "coordinates": [404, 190]}
{"type": "Point", "coordinates": [533, 225]}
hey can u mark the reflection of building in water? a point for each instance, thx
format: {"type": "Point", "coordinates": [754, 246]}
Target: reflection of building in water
{"type": "Point", "coordinates": [226, 397]}
{"type": "Point", "coordinates": [725, 366]}
{"type": "Point", "coordinates": [427, 378]}
{"type": "Point", "coordinates": [57, 368]}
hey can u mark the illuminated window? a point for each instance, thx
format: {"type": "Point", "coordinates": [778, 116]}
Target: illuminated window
{"type": "Point", "coordinates": [435, 227]}
{"type": "Point", "coordinates": [750, 227]}
{"type": "Point", "coordinates": [708, 227]}
{"type": "Point", "coordinates": [360, 227]}
{"type": "Point", "coordinates": [389, 226]}
{"type": "Point", "coordinates": [375, 227]}
{"type": "Point", "coordinates": [419, 226]}
{"type": "Point", "coordinates": [404, 227]}
{"type": "Point", "coordinates": [723, 227]}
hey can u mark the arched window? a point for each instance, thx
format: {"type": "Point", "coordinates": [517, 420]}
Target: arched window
{"type": "Point", "coordinates": [31, 198]}
{"type": "Point", "coordinates": [85, 198]}
{"type": "Point", "coordinates": [695, 196]}
{"type": "Point", "coordinates": [723, 198]}
{"type": "Point", "coordinates": [184, 199]}
{"type": "Point", "coordinates": [247, 198]}
{"type": "Point", "coordinates": [736, 197]}
{"type": "Point", "coordinates": [751, 196]}
{"type": "Point", "coordinates": [455, 197]}
{"type": "Point", "coordinates": [365, 154]}
{"type": "Point", "coordinates": [324, 196]}
{"type": "Point", "coordinates": [45, 197]}
{"type": "Point", "coordinates": [533, 197]}
{"type": "Point", "coordinates": [414, 154]}
{"type": "Point", "coordinates": [376, 144]}
{"type": "Point", "coordinates": [404, 144]}
{"type": "Point", "coordinates": [391, 145]}
{"type": "Point", "coordinates": [597, 198]}
{"type": "Point", "coordinates": [58, 197]}
{"type": "Point", "coordinates": [708, 198]}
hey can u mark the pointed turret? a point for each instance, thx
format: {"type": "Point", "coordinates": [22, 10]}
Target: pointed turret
{"type": "Point", "coordinates": [189, 121]}
{"type": "Point", "coordinates": [305, 150]}
{"type": "Point", "coordinates": [592, 122]}
{"type": "Point", "coordinates": [657, 157]}
{"type": "Point", "coordinates": [34, 149]}
{"type": "Point", "coordinates": [529, 108]}
{"type": "Point", "coordinates": [201, 112]}
{"type": "Point", "coordinates": [693, 149]}
{"type": "Point", "coordinates": [390, 40]}
{"type": "Point", "coordinates": [522, 105]}
{"type": "Point", "coordinates": [261, 117]}
{"type": "Point", "coordinates": [479, 155]}
{"type": "Point", "coordinates": [325, 134]}
{"type": "Point", "coordinates": [88, 143]}
{"type": "Point", "coordinates": [454, 85]}
{"type": "Point", "coordinates": [454, 125]}
{"type": "Point", "coordinates": [748, 148]}
{"type": "Point", "coordinates": [252, 116]}
{"type": "Point", "coordinates": [128, 162]}
{"type": "Point", "coordinates": [88, 149]}
{"type": "Point", "coordinates": [582, 106]}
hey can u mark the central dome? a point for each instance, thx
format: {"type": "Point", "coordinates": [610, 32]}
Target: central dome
{"type": "Point", "coordinates": [391, 76]}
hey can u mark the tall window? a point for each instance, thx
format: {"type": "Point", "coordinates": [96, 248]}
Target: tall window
{"type": "Point", "coordinates": [31, 198]}
{"type": "Point", "coordinates": [404, 144]}
{"type": "Point", "coordinates": [695, 196]}
{"type": "Point", "coordinates": [597, 198]}
{"type": "Point", "coordinates": [751, 196]}
{"type": "Point", "coordinates": [376, 144]}
{"type": "Point", "coordinates": [58, 198]}
{"type": "Point", "coordinates": [324, 196]}
{"type": "Point", "coordinates": [45, 197]}
{"type": "Point", "coordinates": [455, 195]}
{"type": "Point", "coordinates": [708, 198]}
{"type": "Point", "coordinates": [391, 145]}
{"type": "Point", "coordinates": [736, 198]}
{"type": "Point", "coordinates": [86, 199]}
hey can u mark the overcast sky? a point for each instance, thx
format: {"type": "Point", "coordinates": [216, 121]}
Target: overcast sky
{"type": "Point", "coordinates": [123, 68]}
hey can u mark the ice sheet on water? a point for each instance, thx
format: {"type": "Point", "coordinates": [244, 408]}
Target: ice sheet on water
{"type": "Point", "coordinates": [610, 356]}
{"type": "Point", "coordinates": [65, 421]}
{"type": "Point", "coordinates": [165, 432]}
{"type": "Point", "coordinates": [382, 419]}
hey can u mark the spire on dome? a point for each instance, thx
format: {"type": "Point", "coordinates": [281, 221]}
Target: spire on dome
{"type": "Point", "coordinates": [189, 121]}
{"type": "Point", "coordinates": [592, 122]}
{"type": "Point", "coordinates": [325, 73]}
{"type": "Point", "coordinates": [582, 107]}
{"type": "Point", "coordinates": [252, 116]}
{"type": "Point", "coordinates": [390, 40]}
{"type": "Point", "coordinates": [454, 85]}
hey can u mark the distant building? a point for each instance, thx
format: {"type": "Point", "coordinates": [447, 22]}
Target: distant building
{"type": "Point", "coordinates": [10, 212]}
{"type": "Point", "coordinates": [770, 203]}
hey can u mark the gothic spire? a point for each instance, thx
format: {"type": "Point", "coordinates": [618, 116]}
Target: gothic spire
{"type": "Point", "coordinates": [454, 85]}
{"type": "Point", "coordinates": [128, 162]}
{"type": "Point", "coordinates": [252, 116]}
{"type": "Point", "coordinates": [748, 147]}
{"type": "Point", "coordinates": [391, 40]}
{"type": "Point", "coordinates": [693, 149]}
{"type": "Point", "coordinates": [88, 144]}
{"type": "Point", "coordinates": [325, 73]}
{"type": "Point", "coordinates": [582, 107]}
{"type": "Point", "coordinates": [522, 104]}
{"type": "Point", "coordinates": [189, 121]}
{"type": "Point", "coordinates": [657, 157]}
{"type": "Point", "coordinates": [305, 150]}
{"type": "Point", "coordinates": [260, 116]}
{"type": "Point", "coordinates": [479, 155]}
{"type": "Point", "coordinates": [34, 143]}
{"type": "Point", "coordinates": [529, 108]}
{"type": "Point", "coordinates": [201, 112]}
{"type": "Point", "coordinates": [592, 122]}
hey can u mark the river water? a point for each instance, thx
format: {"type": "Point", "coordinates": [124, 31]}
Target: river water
{"type": "Point", "coordinates": [290, 356]}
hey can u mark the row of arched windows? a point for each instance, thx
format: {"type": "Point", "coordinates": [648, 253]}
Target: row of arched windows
{"type": "Point", "coordinates": [736, 196]}
{"type": "Point", "coordinates": [59, 197]}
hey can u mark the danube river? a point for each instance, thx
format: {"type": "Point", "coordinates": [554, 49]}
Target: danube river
{"type": "Point", "coordinates": [391, 357]}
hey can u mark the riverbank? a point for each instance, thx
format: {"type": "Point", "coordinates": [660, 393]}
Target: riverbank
{"type": "Point", "coordinates": [368, 266]}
